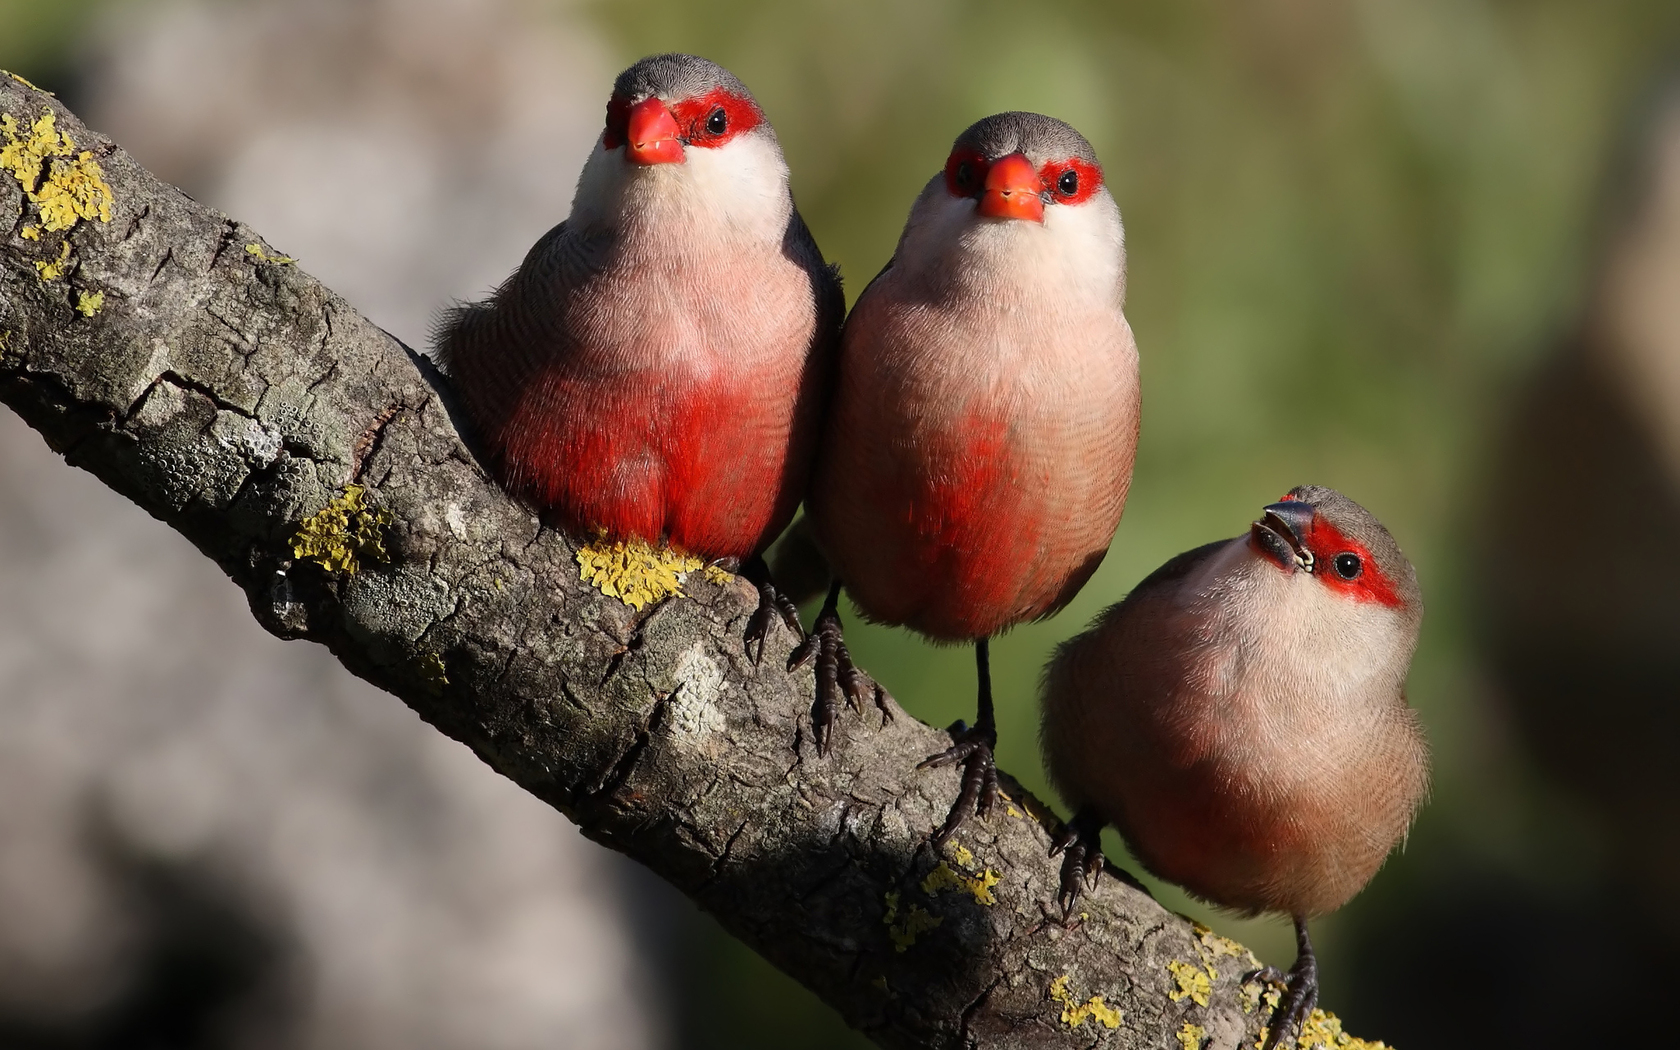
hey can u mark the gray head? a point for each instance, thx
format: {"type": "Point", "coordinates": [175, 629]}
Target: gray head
{"type": "Point", "coordinates": [1016, 163]}
{"type": "Point", "coordinates": [666, 103]}
{"type": "Point", "coordinates": [675, 77]}
{"type": "Point", "coordinates": [1320, 531]}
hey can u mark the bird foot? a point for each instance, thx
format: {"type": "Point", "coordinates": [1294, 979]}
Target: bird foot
{"type": "Point", "coordinates": [973, 748]}
{"type": "Point", "coordinates": [837, 677]}
{"type": "Point", "coordinates": [1299, 998]}
{"type": "Point", "coordinates": [771, 604]}
{"type": "Point", "coordinates": [1080, 840]}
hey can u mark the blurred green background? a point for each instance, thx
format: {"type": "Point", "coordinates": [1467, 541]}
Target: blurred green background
{"type": "Point", "coordinates": [1355, 229]}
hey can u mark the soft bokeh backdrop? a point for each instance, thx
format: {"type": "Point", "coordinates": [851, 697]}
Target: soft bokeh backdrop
{"type": "Point", "coordinates": [1369, 242]}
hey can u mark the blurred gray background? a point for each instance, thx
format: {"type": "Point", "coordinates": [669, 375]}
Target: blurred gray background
{"type": "Point", "coordinates": [1425, 251]}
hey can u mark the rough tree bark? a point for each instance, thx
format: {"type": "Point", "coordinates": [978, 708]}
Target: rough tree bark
{"type": "Point", "coordinates": [172, 353]}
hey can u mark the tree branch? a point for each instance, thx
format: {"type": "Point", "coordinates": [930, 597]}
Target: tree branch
{"type": "Point", "coordinates": [233, 397]}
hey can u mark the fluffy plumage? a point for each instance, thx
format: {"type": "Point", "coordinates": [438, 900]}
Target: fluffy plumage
{"type": "Point", "coordinates": [978, 453]}
{"type": "Point", "coordinates": [1241, 719]}
{"type": "Point", "coordinates": [656, 367]}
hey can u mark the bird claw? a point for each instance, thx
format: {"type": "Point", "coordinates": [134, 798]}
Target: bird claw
{"type": "Point", "coordinates": [837, 678]}
{"type": "Point", "coordinates": [771, 603]}
{"type": "Point", "coordinates": [1299, 998]}
{"type": "Point", "coordinates": [1081, 840]}
{"type": "Point", "coordinates": [973, 748]}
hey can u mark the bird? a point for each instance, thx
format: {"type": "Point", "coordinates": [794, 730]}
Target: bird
{"type": "Point", "coordinates": [1241, 718]}
{"type": "Point", "coordinates": [657, 367]}
{"type": "Point", "coordinates": [979, 445]}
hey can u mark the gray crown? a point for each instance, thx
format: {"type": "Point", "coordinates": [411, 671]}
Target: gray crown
{"type": "Point", "coordinates": [676, 76]}
{"type": "Point", "coordinates": [1043, 139]}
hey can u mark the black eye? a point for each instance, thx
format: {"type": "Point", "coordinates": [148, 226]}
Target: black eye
{"type": "Point", "coordinates": [1068, 183]}
{"type": "Point", "coordinates": [718, 122]}
{"type": "Point", "coordinates": [1348, 565]}
{"type": "Point", "coordinates": [965, 174]}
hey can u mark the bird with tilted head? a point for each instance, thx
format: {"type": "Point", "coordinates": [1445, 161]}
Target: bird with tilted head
{"type": "Point", "coordinates": [656, 368]}
{"type": "Point", "coordinates": [979, 447]}
{"type": "Point", "coordinates": [1241, 719]}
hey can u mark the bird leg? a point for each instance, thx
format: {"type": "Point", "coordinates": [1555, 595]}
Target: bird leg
{"type": "Point", "coordinates": [973, 748]}
{"type": "Point", "coordinates": [837, 676]}
{"type": "Point", "coordinates": [771, 603]}
{"type": "Point", "coordinates": [1301, 990]}
{"type": "Point", "coordinates": [1081, 840]}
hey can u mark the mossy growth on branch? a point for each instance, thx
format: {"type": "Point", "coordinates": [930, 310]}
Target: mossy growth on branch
{"type": "Point", "coordinates": [344, 534]}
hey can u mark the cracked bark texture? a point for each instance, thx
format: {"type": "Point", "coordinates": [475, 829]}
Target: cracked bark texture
{"type": "Point", "coordinates": [231, 397]}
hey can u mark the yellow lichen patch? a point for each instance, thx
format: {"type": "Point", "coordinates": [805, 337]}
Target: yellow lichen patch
{"type": "Point", "coordinates": [30, 232]}
{"type": "Point", "coordinates": [343, 534]}
{"type": "Point", "coordinates": [1076, 1013]}
{"type": "Point", "coordinates": [960, 853]}
{"type": "Point", "coordinates": [718, 575]}
{"type": "Point", "coordinates": [1213, 945]}
{"type": "Point", "coordinates": [1192, 982]}
{"type": "Point", "coordinates": [1325, 1030]}
{"type": "Point", "coordinates": [89, 303]}
{"type": "Point", "coordinates": [256, 251]}
{"type": "Point", "coordinates": [916, 922]}
{"type": "Point", "coordinates": [54, 269]}
{"type": "Point", "coordinates": [944, 877]}
{"type": "Point", "coordinates": [433, 672]}
{"type": "Point", "coordinates": [634, 572]}
{"type": "Point", "coordinates": [1255, 992]}
{"type": "Point", "coordinates": [24, 82]}
{"type": "Point", "coordinates": [65, 186]}
{"type": "Point", "coordinates": [1190, 1036]}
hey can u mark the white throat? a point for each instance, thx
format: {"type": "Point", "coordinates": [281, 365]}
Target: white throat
{"type": "Point", "coordinates": [736, 193]}
{"type": "Point", "coordinates": [1077, 255]}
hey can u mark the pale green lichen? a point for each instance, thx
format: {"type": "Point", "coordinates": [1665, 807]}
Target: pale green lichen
{"type": "Point", "coordinates": [944, 877]}
{"type": "Point", "coordinates": [51, 270]}
{"type": "Point", "coordinates": [89, 303]}
{"type": "Point", "coordinates": [64, 185]}
{"type": "Point", "coordinates": [256, 251]}
{"type": "Point", "coordinates": [1192, 982]}
{"type": "Point", "coordinates": [343, 534]}
{"type": "Point", "coordinates": [634, 572]}
{"type": "Point", "coordinates": [1190, 1036]}
{"type": "Point", "coordinates": [433, 672]}
{"type": "Point", "coordinates": [916, 922]}
{"type": "Point", "coordinates": [1076, 1013]}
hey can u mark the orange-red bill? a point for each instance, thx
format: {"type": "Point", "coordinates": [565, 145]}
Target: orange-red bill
{"type": "Point", "coordinates": [652, 136]}
{"type": "Point", "coordinates": [1012, 190]}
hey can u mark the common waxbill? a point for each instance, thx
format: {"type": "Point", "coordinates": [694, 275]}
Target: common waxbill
{"type": "Point", "coordinates": [977, 454]}
{"type": "Point", "coordinates": [657, 366]}
{"type": "Point", "coordinates": [1241, 719]}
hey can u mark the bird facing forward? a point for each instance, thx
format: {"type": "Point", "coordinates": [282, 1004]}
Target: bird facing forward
{"type": "Point", "coordinates": [656, 368]}
{"type": "Point", "coordinates": [1241, 719]}
{"type": "Point", "coordinates": [977, 455]}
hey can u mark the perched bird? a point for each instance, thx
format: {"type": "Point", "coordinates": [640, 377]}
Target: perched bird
{"type": "Point", "coordinates": [656, 368]}
{"type": "Point", "coordinates": [1241, 718]}
{"type": "Point", "coordinates": [977, 454]}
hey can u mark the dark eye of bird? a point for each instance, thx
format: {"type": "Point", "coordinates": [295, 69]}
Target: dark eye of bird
{"type": "Point", "coordinates": [718, 122]}
{"type": "Point", "coordinates": [1068, 183]}
{"type": "Point", "coordinates": [1348, 565]}
{"type": "Point", "coordinates": [965, 174]}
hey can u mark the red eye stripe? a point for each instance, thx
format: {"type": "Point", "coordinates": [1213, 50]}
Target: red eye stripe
{"type": "Point", "coordinates": [1090, 177]}
{"type": "Point", "coordinates": [692, 115]}
{"type": "Point", "coordinates": [961, 182]}
{"type": "Point", "coordinates": [1371, 585]}
{"type": "Point", "coordinates": [618, 122]}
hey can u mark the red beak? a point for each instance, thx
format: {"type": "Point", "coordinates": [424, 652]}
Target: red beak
{"type": "Point", "coordinates": [1012, 190]}
{"type": "Point", "coordinates": [652, 135]}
